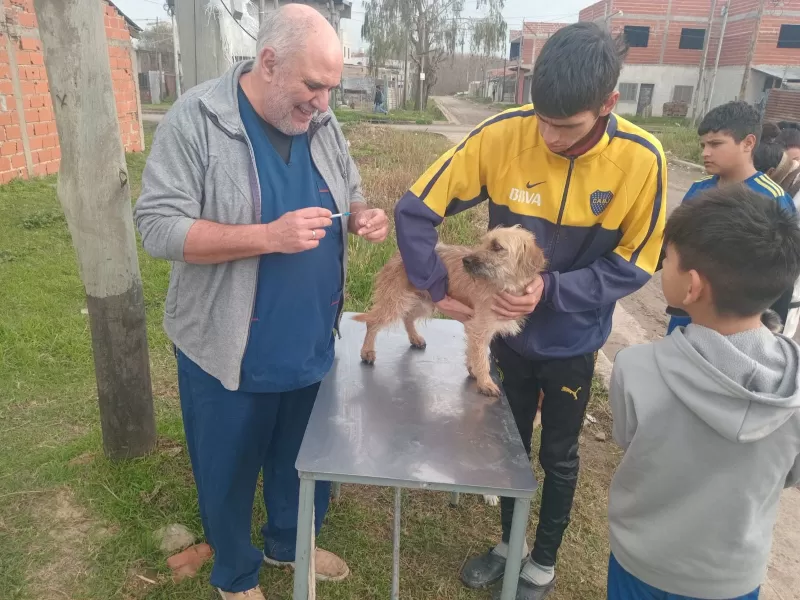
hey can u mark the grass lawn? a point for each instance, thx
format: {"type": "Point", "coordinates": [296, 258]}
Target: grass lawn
{"type": "Point", "coordinates": [426, 117]}
{"type": "Point", "coordinates": [158, 108]}
{"type": "Point", "coordinates": [75, 526]}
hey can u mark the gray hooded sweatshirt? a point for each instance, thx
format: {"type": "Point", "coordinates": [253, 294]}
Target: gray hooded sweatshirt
{"type": "Point", "coordinates": [711, 429]}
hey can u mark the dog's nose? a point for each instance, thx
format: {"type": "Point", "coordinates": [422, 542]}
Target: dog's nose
{"type": "Point", "coordinates": [469, 261]}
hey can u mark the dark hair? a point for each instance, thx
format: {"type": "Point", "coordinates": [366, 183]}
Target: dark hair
{"type": "Point", "coordinates": [767, 155]}
{"type": "Point", "coordinates": [576, 70]}
{"type": "Point", "coordinates": [737, 119]}
{"type": "Point", "coordinates": [789, 138]}
{"type": "Point", "coordinates": [742, 242]}
{"type": "Point", "coordinates": [769, 131]}
{"type": "Point", "coordinates": [788, 125]}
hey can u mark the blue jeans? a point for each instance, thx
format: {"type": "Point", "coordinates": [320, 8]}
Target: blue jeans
{"type": "Point", "coordinates": [231, 437]}
{"type": "Point", "coordinates": [624, 586]}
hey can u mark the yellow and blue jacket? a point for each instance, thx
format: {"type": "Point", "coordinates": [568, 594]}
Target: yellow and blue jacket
{"type": "Point", "coordinates": [599, 218]}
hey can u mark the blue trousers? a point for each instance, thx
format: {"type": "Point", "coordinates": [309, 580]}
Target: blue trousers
{"type": "Point", "coordinates": [624, 586]}
{"type": "Point", "coordinates": [232, 436]}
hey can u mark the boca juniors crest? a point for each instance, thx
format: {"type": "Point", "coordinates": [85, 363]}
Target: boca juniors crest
{"type": "Point", "coordinates": [599, 200]}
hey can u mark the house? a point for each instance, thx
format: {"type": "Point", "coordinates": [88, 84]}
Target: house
{"type": "Point", "coordinates": [229, 32]}
{"type": "Point", "coordinates": [755, 43]}
{"type": "Point", "coordinates": [28, 135]}
{"type": "Point", "coordinates": [526, 43]}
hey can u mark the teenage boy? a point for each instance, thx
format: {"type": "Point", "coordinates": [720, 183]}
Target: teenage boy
{"type": "Point", "coordinates": [709, 416]}
{"type": "Point", "coordinates": [728, 136]}
{"type": "Point", "coordinates": [591, 187]}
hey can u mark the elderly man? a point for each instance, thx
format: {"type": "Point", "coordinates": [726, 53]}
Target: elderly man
{"type": "Point", "coordinates": [240, 190]}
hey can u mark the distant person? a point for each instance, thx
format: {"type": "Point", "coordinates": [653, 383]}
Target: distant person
{"type": "Point", "coordinates": [772, 159]}
{"type": "Point", "coordinates": [769, 131]}
{"type": "Point", "coordinates": [379, 100]}
{"type": "Point", "coordinates": [591, 186]}
{"type": "Point", "coordinates": [788, 125]}
{"type": "Point", "coordinates": [728, 136]}
{"type": "Point", "coordinates": [709, 416]}
{"type": "Point", "coordinates": [245, 173]}
{"type": "Point", "coordinates": [790, 140]}
{"type": "Point", "coordinates": [775, 162]}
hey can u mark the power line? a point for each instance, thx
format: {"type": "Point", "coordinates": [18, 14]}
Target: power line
{"type": "Point", "coordinates": [227, 10]}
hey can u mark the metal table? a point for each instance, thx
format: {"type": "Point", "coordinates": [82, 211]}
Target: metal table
{"type": "Point", "coordinates": [413, 420]}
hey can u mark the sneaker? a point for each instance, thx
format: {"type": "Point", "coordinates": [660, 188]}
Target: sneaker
{"type": "Point", "coordinates": [254, 594]}
{"type": "Point", "coordinates": [328, 566]}
{"type": "Point", "coordinates": [481, 572]}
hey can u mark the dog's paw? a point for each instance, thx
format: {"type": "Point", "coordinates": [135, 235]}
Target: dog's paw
{"type": "Point", "coordinates": [418, 343]}
{"type": "Point", "coordinates": [491, 500]}
{"type": "Point", "coordinates": [470, 372]}
{"type": "Point", "coordinates": [368, 357]}
{"type": "Point", "coordinates": [489, 388]}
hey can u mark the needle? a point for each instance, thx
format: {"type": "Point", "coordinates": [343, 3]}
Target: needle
{"type": "Point", "coordinates": [347, 214]}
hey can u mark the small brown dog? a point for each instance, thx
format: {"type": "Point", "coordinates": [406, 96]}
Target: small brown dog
{"type": "Point", "coordinates": [506, 260]}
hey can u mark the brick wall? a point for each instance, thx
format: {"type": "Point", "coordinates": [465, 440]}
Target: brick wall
{"type": "Point", "coordinates": [28, 136]}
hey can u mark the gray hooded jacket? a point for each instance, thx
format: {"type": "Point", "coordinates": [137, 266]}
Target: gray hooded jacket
{"type": "Point", "coordinates": [711, 428]}
{"type": "Point", "coordinates": [201, 166]}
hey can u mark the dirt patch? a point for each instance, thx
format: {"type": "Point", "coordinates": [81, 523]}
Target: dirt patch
{"type": "Point", "coordinates": [139, 580]}
{"type": "Point", "coordinates": [75, 536]}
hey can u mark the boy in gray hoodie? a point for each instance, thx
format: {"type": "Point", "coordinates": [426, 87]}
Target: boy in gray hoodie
{"type": "Point", "coordinates": [709, 416]}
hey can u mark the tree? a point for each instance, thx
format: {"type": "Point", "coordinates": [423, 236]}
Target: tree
{"type": "Point", "coordinates": [157, 37]}
{"type": "Point", "coordinates": [434, 30]}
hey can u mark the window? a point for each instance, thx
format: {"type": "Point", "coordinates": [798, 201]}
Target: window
{"type": "Point", "coordinates": [789, 36]}
{"type": "Point", "coordinates": [637, 37]}
{"type": "Point", "coordinates": [692, 39]}
{"type": "Point", "coordinates": [682, 93]}
{"type": "Point", "coordinates": [628, 92]}
{"type": "Point", "coordinates": [514, 52]}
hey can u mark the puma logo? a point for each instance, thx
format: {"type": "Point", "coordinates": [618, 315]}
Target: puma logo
{"type": "Point", "coordinates": [569, 391]}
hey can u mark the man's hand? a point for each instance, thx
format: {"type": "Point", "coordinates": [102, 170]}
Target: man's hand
{"type": "Point", "coordinates": [298, 231]}
{"type": "Point", "coordinates": [372, 224]}
{"type": "Point", "coordinates": [513, 307]}
{"type": "Point", "coordinates": [454, 309]}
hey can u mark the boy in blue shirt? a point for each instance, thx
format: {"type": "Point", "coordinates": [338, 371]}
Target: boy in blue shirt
{"type": "Point", "coordinates": [728, 136]}
{"type": "Point", "coordinates": [709, 417]}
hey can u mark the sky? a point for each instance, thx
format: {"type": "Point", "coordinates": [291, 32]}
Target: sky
{"type": "Point", "coordinates": [145, 12]}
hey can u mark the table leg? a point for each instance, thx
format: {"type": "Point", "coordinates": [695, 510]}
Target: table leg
{"type": "Point", "coordinates": [396, 546]}
{"type": "Point", "coordinates": [304, 576]}
{"type": "Point", "coordinates": [519, 525]}
{"type": "Point", "coordinates": [454, 498]}
{"type": "Point", "coordinates": [337, 490]}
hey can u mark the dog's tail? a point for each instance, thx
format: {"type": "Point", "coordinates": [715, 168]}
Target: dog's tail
{"type": "Point", "coordinates": [360, 317]}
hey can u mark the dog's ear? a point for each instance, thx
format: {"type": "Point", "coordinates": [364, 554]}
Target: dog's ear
{"type": "Point", "coordinates": [532, 260]}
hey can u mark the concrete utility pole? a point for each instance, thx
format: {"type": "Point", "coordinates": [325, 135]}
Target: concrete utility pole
{"type": "Point", "coordinates": [405, 76]}
{"type": "Point", "coordinates": [175, 46]}
{"type": "Point", "coordinates": [752, 51]}
{"type": "Point", "coordinates": [706, 44]}
{"type": "Point", "coordinates": [202, 56]}
{"type": "Point", "coordinates": [710, 94]}
{"type": "Point", "coordinates": [94, 191]}
{"type": "Point", "coordinates": [422, 65]}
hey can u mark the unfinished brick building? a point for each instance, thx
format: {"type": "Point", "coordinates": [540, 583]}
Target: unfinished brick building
{"type": "Point", "coordinates": [28, 137]}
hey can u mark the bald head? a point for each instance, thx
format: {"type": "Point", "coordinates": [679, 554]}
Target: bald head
{"type": "Point", "coordinates": [293, 28]}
